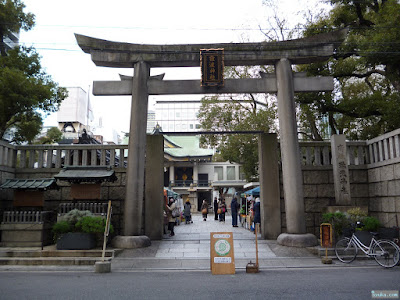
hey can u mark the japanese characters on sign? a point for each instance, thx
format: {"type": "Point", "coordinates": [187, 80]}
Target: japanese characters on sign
{"type": "Point", "coordinates": [212, 67]}
{"type": "Point", "coordinates": [341, 158]}
{"type": "Point", "coordinates": [326, 235]}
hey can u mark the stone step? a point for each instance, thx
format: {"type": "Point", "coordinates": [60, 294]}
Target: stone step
{"type": "Point", "coordinates": [54, 253]}
{"type": "Point", "coordinates": [56, 261]}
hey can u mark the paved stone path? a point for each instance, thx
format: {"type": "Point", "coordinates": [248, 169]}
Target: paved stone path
{"type": "Point", "coordinates": [190, 249]}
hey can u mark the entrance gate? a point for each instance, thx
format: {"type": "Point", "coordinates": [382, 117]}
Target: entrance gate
{"type": "Point", "coordinates": [283, 82]}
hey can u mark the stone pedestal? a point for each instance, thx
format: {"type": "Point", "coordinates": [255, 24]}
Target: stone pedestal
{"type": "Point", "coordinates": [130, 242]}
{"type": "Point", "coordinates": [102, 266]}
{"type": "Point", "coordinates": [297, 240]}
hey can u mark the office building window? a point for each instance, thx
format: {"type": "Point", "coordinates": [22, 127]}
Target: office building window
{"type": "Point", "coordinates": [230, 173]}
{"type": "Point", "coordinates": [220, 172]}
{"type": "Point", "coordinates": [241, 173]}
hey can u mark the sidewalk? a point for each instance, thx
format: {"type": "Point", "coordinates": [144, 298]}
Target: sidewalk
{"type": "Point", "coordinates": [189, 250]}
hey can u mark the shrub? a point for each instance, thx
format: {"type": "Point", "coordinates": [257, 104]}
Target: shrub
{"type": "Point", "coordinates": [370, 224]}
{"type": "Point", "coordinates": [92, 225]}
{"type": "Point", "coordinates": [79, 221]}
{"type": "Point", "coordinates": [338, 220]}
{"type": "Point", "coordinates": [75, 215]}
{"type": "Point", "coordinates": [356, 214]}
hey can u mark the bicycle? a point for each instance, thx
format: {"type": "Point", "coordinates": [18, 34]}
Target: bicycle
{"type": "Point", "coordinates": [385, 252]}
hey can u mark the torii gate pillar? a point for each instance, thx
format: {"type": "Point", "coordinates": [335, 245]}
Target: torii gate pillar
{"type": "Point", "coordinates": [137, 150]}
{"type": "Point", "coordinates": [291, 166]}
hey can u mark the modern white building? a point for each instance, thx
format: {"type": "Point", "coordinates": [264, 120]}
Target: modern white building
{"type": "Point", "coordinates": [11, 40]}
{"type": "Point", "coordinates": [177, 115]}
{"type": "Point", "coordinates": [75, 111]}
{"type": "Point", "coordinates": [151, 121]}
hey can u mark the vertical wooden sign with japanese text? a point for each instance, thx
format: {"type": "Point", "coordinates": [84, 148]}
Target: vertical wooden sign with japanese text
{"type": "Point", "coordinates": [326, 235]}
{"type": "Point", "coordinates": [221, 253]}
{"type": "Point", "coordinates": [212, 67]}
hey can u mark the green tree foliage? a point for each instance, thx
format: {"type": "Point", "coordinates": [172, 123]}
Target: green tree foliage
{"type": "Point", "coordinates": [366, 102]}
{"type": "Point", "coordinates": [13, 19]}
{"type": "Point", "coordinates": [25, 90]}
{"type": "Point", "coordinates": [244, 113]}
{"type": "Point", "coordinates": [53, 135]}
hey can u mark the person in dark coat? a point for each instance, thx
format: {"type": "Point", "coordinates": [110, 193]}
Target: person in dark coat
{"type": "Point", "coordinates": [234, 210]}
{"type": "Point", "coordinates": [257, 215]}
{"type": "Point", "coordinates": [186, 212]}
{"type": "Point", "coordinates": [215, 209]}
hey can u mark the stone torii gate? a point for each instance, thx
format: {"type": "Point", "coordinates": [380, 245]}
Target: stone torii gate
{"type": "Point", "coordinates": [284, 82]}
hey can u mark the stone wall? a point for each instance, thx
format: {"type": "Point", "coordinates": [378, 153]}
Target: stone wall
{"type": "Point", "coordinates": [384, 192]}
{"type": "Point", "coordinates": [319, 193]}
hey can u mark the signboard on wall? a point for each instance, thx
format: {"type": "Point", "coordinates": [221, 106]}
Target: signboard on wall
{"type": "Point", "coordinates": [212, 67]}
{"type": "Point", "coordinates": [221, 253]}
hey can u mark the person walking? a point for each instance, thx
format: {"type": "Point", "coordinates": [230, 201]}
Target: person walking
{"type": "Point", "coordinates": [234, 211]}
{"type": "Point", "coordinates": [222, 208]}
{"type": "Point", "coordinates": [171, 219]}
{"type": "Point", "coordinates": [215, 209]}
{"type": "Point", "coordinates": [186, 212]}
{"type": "Point", "coordinates": [204, 209]}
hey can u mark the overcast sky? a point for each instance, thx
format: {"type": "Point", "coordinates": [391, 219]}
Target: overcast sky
{"type": "Point", "coordinates": [142, 22]}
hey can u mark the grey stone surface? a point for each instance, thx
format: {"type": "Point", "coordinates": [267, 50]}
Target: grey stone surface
{"type": "Point", "coordinates": [374, 175]}
{"type": "Point", "coordinates": [358, 176]}
{"type": "Point", "coordinates": [316, 177]}
{"type": "Point", "coordinates": [340, 170]}
{"type": "Point", "coordinates": [153, 220]}
{"type": "Point", "coordinates": [310, 190]}
{"type": "Point", "coordinates": [135, 173]}
{"type": "Point", "coordinates": [297, 240]}
{"type": "Point", "coordinates": [289, 145]}
{"type": "Point", "coordinates": [129, 242]}
{"type": "Point", "coordinates": [270, 196]}
{"type": "Point", "coordinates": [396, 171]}
{"type": "Point", "coordinates": [124, 55]}
{"type": "Point", "coordinates": [387, 173]}
{"type": "Point", "coordinates": [102, 266]}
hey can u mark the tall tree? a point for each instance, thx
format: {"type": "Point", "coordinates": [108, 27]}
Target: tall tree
{"type": "Point", "coordinates": [25, 90]}
{"type": "Point", "coordinates": [242, 113]}
{"type": "Point", "coordinates": [366, 66]}
{"type": "Point", "coordinates": [13, 19]}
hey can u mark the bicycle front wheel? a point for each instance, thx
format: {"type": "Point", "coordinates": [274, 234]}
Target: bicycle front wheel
{"type": "Point", "coordinates": [386, 253]}
{"type": "Point", "coordinates": [346, 250]}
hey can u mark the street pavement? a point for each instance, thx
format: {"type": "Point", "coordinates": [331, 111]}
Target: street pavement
{"type": "Point", "coordinates": [189, 250]}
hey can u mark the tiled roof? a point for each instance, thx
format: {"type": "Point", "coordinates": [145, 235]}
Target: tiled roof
{"type": "Point", "coordinates": [86, 174]}
{"type": "Point", "coordinates": [31, 184]}
{"type": "Point", "coordinates": [185, 146]}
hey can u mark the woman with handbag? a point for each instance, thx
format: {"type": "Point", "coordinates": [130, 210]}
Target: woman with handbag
{"type": "Point", "coordinates": [222, 210]}
{"type": "Point", "coordinates": [171, 218]}
{"type": "Point", "coordinates": [204, 210]}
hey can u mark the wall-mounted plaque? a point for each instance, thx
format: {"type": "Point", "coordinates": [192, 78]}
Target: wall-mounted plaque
{"type": "Point", "coordinates": [212, 67]}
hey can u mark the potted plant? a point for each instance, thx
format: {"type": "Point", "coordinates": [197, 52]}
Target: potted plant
{"type": "Point", "coordinates": [78, 230]}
